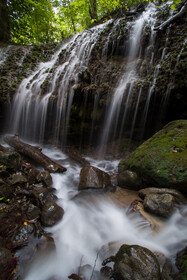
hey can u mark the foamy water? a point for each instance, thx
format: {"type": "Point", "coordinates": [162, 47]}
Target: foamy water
{"type": "Point", "coordinates": [88, 226]}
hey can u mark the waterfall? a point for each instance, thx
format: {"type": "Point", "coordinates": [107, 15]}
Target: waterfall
{"type": "Point", "coordinates": [130, 75]}
{"type": "Point", "coordinates": [30, 107]}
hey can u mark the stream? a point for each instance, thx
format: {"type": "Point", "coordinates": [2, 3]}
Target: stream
{"type": "Point", "coordinates": [93, 227]}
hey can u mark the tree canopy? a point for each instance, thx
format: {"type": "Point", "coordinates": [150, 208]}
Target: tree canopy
{"type": "Point", "coordinates": [46, 21]}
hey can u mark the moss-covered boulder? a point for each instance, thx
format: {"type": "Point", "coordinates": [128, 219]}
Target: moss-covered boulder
{"type": "Point", "coordinates": [161, 161]}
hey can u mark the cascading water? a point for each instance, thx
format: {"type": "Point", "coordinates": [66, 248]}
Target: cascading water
{"type": "Point", "coordinates": [31, 105]}
{"type": "Point", "coordinates": [130, 75]}
{"type": "Point", "coordinates": [92, 223]}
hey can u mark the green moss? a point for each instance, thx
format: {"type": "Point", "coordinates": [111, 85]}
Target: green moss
{"type": "Point", "coordinates": [162, 159]}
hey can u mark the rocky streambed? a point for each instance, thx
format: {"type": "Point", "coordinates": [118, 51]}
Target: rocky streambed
{"type": "Point", "coordinates": [93, 222]}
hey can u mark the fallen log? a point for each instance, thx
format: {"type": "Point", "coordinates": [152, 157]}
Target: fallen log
{"type": "Point", "coordinates": [34, 153]}
{"type": "Point", "coordinates": [3, 149]}
{"type": "Point", "coordinates": [77, 157]}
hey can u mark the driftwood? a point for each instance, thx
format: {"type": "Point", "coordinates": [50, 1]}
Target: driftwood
{"type": "Point", "coordinates": [172, 19]}
{"type": "Point", "coordinates": [75, 277]}
{"type": "Point", "coordinates": [34, 153]}
{"type": "Point", "coordinates": [77, 157]}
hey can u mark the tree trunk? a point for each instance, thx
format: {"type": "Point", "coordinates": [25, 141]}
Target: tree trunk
{"type": "Point", "coordinates": [4, 22]}
{"type": "Point", "coordinates": [34, 153]}
{"type": "Point", "coordinates": [93, 9]}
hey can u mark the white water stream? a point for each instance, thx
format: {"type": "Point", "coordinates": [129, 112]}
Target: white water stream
{"type": "Point", "coordinates": [88, 226]}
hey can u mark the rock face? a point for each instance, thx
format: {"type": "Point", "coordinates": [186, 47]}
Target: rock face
{"type": "Point", "coordinates": [94, 178]}
{"type": "Point", "coordinates": [96, 83]}
{"type": "Point", "coordinates": [161, 161]}
{"type": "Point", "coordinates": [133, 262]}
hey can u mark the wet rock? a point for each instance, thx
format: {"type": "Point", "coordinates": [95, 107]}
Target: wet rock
{"type": "Point", "coordinates": [159, 204]}
{"type": "Point", "coordinates": [161, 161]}
{"type": "Point", "coordinates": [44, 177]}
{"type": "Point", "coordinates": [92, 177]}
{"type": "Point", "coordinates": [23, 234]}
{"type": "Point", "coordinates": [33, 212]}
{"type": "Point", "coordinates": [4, 174]}
{"type": "Point", "coordinates": [181, 263]}
{"type": "Point", "coordinates": [43, 195]}
{"type": "Point", "coordinates": [17, 178]}
{"type": "Point", "coordinates": [133, 262]}
{"type": "Point", "coordinates": [106, 272]}
{"type": "Point", "coordinates": [168, 270]}
{"type": "Point", "coordinates": [51, 214]}
{"type": "Point", "coordinates": [36, 176]}
{"type": "Point", "coordinates": [6, 191]}
{"type": "Point", "coordinates": [6, 264]}
{"type": "Point", "coordinates": [32, 175]}
{"type": "Point", "coordinates": [11, 160]}
{"type": "Point", "coordinates": [129, 179]}
{"type": "Point", "coordinates": [178, 197]}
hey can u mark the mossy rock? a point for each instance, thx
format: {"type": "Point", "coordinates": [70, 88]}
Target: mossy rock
{"type": "Point", "coordinates": [181, 263]}
{"type": "Point", "coordinates": [161, 161]}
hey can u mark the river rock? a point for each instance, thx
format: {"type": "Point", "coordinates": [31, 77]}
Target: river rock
{"type": "Point", "coordinates": [45, 177]}
{"type": "Point", "coordinates": [178, 197]}
{"type": "Point", "coordinates": [133, 262]}
{"type": "Point", "coordinates": [159, 204]}
{"type": "Point", "coordinates": [161, 161]}
{"type": "Point", "coordinates": [43, 195]}
{"type": "Point", "coordinates": [24, 233]}
{"type": "Point", "coordinates": [11, 160]}
{"type": "Point", "coordinates": [51, 214]}
{"type": "Point", "coordinates": [33, 212]}
{"type": "Point", "coordinates": [129, 180]}
{"type": "Point", "coordinates": [5, 263]}
{"type": "Point", "coordinates": [17, 178]}
{"type": "Point", "coordinates": [94, 178]}
{"type": "Point", "coordinates": [6, 191]}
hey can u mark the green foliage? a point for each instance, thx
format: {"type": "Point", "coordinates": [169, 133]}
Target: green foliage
{"type": "Point", "coordinates": [46, 21]}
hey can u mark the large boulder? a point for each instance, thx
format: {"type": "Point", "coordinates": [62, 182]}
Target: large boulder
{"type": "Point", "coordinates": [94, 178]}
{"type": "Point", "coordinates": [161, 161]}
{"type": "Point", "coordinates": [133, 262]}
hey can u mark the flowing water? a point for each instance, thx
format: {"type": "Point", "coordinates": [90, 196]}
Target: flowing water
{"type": "Point", "coordinates": [83, 236]}
{"type": "Point", "coordinates": [89, 225]}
